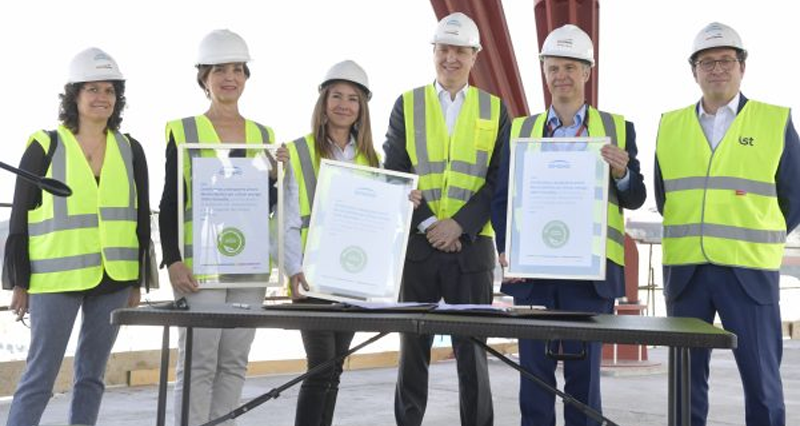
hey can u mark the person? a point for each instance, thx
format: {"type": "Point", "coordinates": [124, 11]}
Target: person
{"type": "Point", "coordinates": [341, 131]}
{"type": "Point", "coordinates": [219, 357]}
{"type": "Point", "coordinates": [449, 133]}
{"type": "Point", "coordinates": [78, 253]}
{"type": "Point", "coordinates": [567, 58]}
{"type": "Point", "coordinates": [726, 184]}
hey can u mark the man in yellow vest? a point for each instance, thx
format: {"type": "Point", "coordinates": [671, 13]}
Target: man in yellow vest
{"type": "Point", "coordinates": [567, 59]}
{"type": "Point", "coordinates": [449, 134]}
{"type": "Point", "coordinates": [727, 185]}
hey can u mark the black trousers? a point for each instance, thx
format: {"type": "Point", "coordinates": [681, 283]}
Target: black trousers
{"type": "Point", "coordinates": [445, 276]}
{"type": "Point", "coordinates": [316, 401]}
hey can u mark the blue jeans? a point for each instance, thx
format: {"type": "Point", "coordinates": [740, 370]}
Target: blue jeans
{"type": "Point", "coordinates": [52, 318]}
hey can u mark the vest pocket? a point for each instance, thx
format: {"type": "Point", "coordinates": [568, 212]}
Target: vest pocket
{"type": "Point", "coordinates": [485, 133]}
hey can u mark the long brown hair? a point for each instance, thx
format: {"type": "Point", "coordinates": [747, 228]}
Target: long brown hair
{"type": "Point", "coordinates": [361, 129]}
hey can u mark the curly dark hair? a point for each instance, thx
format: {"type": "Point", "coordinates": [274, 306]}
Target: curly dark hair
{"type": "Point", "coordinates": [68, 110]}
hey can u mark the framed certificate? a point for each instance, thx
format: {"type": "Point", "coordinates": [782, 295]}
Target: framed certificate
{"type": "Point", "coordinates": [557, 209]}
{"type": "Point", "coordinates": [229, 218]}
{"type": "Point", "coordinates": [357, 237]}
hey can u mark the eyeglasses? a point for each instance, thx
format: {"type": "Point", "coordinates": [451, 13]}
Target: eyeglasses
{"type": "Point", "coordinates": [708, 65]}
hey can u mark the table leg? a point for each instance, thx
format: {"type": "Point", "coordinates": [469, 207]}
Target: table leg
{"type": "Point", "coordinates": [162, 380]}
{"type": "Point", "coordinates": [187, 377]}
{"type": "Point", "coordinates": [686, 387]}
{"type": "Point", "coordinates": [672, 402]}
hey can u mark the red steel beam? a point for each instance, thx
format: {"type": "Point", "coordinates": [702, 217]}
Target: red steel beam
{"type": "Point", "coordinates": [496, 69]}
{"type": "Point", "coordinates": [551, 14]}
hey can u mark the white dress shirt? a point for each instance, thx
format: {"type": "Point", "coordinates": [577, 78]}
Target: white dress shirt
{"type": "Point", "coordinates": [293, 247]}
{"type": "Point", "coordinates": [450, 107]}
{"type": "Point", "coordinates": [716, 125]}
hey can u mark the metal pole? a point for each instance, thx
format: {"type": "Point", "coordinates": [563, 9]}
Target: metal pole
{"type": "Point", "coordinates": [686, 387]}
{"type": "Point", "coordinates": [162, 380]}
{"type": "Point", "coordinates": [187, 377]}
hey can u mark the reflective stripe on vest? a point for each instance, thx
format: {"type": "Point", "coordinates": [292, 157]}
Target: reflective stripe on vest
{"type": "Point", "coordinates": [721, 206]}
{"type": "Point", "coordinates": [199, 129]}
{"type": "Point", "coordinates": [305, 166]}
{"type": "Point", "coordinates": [69, 245]}
{"type": "Point", "coordinates": [600, 124]}
{"type": "Point", "coordinates": [452, 167]}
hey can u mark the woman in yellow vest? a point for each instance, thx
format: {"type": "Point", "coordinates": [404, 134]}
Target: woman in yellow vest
{"type": "Point", "coordinates": [340, 131]}
{"type": "Point", "coordinates": [219, 357]}
{"type": "Point", "coordinates": [82, 252]}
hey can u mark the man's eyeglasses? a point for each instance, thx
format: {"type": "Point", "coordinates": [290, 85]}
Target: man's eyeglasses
{"type": "Point", "coordinates": [708, 65]}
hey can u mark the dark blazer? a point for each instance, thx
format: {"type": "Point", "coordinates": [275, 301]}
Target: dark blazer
{"type": "Point", "coordinates": [632, 198]}
{"type": "Point", "coordinates": [476, 254]}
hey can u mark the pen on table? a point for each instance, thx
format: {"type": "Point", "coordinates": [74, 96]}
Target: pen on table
{"type": "Point", "coordinates": [240, 305]}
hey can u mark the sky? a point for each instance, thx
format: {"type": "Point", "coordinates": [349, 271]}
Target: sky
{"type": "Point", "coordinates": [644, 45]}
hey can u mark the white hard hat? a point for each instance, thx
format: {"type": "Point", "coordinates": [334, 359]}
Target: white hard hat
{"type": "Point", "coordinates": [93, 64]}
{"type": "Point", "coordinates": [457, 29]}
{"type": "Point", "coordinates": [568, 41]}
{"type": "Point", "coordinates": [716, 35]}
{"type": "Point", "coordinates": [348, 71]}
{"type": "Point", "coordinates": [222, 47]}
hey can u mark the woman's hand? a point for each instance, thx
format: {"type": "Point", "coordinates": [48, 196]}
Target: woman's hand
{"type": "Point", "coordinates": [19, 302]}
{"type": "Point", "coordinates": [282, 154]}
{"type": "Point", "coordinates": [296, 281]}
{"type": "Point", "coordinates": [182, 279]}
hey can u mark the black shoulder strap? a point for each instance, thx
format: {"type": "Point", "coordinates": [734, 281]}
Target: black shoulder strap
{"type": "Point", "coordinates": [48, 158]}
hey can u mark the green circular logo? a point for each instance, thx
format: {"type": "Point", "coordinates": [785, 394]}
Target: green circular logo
{"type": "Point", "coordinates": [555, 234]}
{"type": "Point", "coordinates": [353, 259]}
{"type": "Point", "coordinates": [230, 242]}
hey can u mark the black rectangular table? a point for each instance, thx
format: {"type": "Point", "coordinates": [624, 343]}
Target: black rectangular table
{"type": "Point", "coordinates": [679, 334]}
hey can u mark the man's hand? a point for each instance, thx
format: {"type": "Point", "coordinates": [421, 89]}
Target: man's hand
{"type": "Point", "coordinates": [296, 281]}
{"type": "Point", "coordinates": [135, 297]}
{"type": "Point", "coordinates": [19, 303]}
{"type": "Point", "coordinates": [182, 279]}
{"type": "Point", "coordinates": [415, 196]}
{"type": "Point", "coordinates": [444, 233]}
{"type": "Point", "coordinates": [617, 158]}
{"type": "Point", "coordinates": [504, 264]}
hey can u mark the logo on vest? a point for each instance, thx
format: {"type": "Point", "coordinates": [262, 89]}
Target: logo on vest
{"type": "Point", "coordinates": [353, 259]}
{"type": "Point", "coordinates": [747, 141]}
{"type": "Point", "coordinates": [555, 234]}
{"type": "Point", "coordinates": [230, 242]}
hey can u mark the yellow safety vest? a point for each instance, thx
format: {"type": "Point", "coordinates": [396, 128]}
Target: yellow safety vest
{"type": "Point", "coordinates": [305, 167]}
{"type": "Point", "coordinates": [600, 124]}
{"type": "Point", "coordinates": [199, 129]}
{"type": "Point", "coordinates": [721, 206]}
{"type": "Point", "coordinates": [451, 168]}
{"type": "Point", "coordinates": [73, 239]}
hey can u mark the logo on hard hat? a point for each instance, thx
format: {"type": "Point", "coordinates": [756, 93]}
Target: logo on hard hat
{"type": "Point", "coordinates": [101, 57]}
{"type": "Point", "coordinates": [565, 43]}
{"type": "Point", "coordinates": [103, 67]}
{"type": "Point", "coordinates": [454, 22]}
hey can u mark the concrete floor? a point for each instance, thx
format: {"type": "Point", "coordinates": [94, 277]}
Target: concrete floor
{"type": "Point", "coordinates": [366, 397]}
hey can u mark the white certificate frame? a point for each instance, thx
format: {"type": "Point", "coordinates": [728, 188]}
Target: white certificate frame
{"type": "Point", "coordinates": [358, 281]}
{"type": "Point", "coordinates": [515, 229]}
{"type": "Point", "coordinates": [183, 150]}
